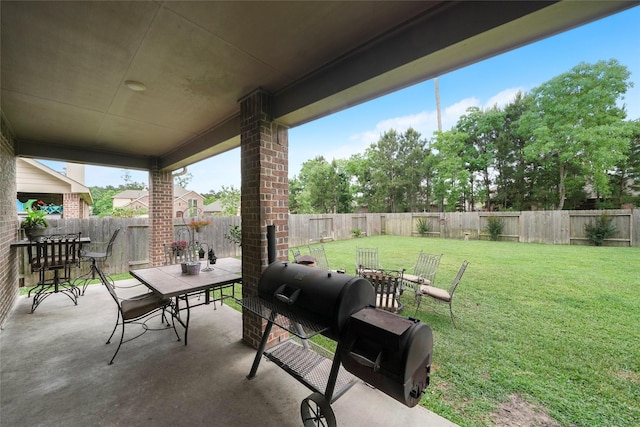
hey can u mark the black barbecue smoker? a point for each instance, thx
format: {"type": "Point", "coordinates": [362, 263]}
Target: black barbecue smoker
{"type": "Point", "coordinates": [387, 351]}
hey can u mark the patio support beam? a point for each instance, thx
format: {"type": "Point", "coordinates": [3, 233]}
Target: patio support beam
{"type": "Point", "coordinates": [264, 159]}
{"type": "Point", "coordinates": [160, 214]}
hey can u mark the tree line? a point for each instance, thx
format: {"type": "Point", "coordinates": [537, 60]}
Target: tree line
{"type": "Point", "coordinates": [562, 145]}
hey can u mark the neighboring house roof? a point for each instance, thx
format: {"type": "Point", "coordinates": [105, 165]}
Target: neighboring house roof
{"type": "Point", "coordinates": [131, 194]}
{"type": "Point", "coordinates": [34, 177]}
{"type": "Point", "coordinates": [214, 207]}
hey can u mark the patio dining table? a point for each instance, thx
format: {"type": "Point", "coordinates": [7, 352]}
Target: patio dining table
{"type": "Point", "coordinates": [170, 282]}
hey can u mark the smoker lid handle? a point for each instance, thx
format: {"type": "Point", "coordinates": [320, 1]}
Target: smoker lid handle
{"type": "Point", "coordinates": [363, 360]}
{"type": "Point", "coordinates": [284, 294]}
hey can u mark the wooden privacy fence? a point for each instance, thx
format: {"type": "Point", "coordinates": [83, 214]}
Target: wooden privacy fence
{"type": "Point", "coordinates": [551, 227]}
{"type": "Point", "coordinates": [131, 248]}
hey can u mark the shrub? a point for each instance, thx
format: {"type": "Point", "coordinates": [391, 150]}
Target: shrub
{"type": "Point", "coordinates": [495, 226]}
{"type": "Point", "coordinates": [356, 232]}
{"type": "Point", "coordinates": [424, 226]}
{"type": "Point", "coordinates": [234, 235]}
{"type": "Point", "coordinates": [600, 229]}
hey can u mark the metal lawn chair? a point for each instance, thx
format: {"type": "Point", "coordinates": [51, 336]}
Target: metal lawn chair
{"type": "Point", "coordinates": [442, 295]}
{"type": "Point", "coordinates": [423, 272]}
{"type": "Point", "coordinates": [319, 254]}
{"type": "Point", "coordinates": [387, 285]}
{"type": "Point", "coordinates": [367, 260]}
{"type": "Point", "coordinates": [295, 252]}
{"type": "Point", "coordinates": [136, 310]}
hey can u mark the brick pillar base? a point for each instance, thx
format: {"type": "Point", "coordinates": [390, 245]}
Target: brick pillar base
{"type": "Point", "coordinates": [160, 214]}
{"type": "Point", "coordinates": [265, 200]}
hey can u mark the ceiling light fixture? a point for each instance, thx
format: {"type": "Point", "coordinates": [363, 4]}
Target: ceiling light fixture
{"type": "Point", "coordinates": [135, 85]}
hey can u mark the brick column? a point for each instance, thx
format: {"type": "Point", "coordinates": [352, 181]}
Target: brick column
{"type": "Point", "coordinates": [160, 214]}
{"type": "Point", "coordinates": [71, 205]}
{"type": "Point", "coordinates": [265, 199]}
{"type": "Point", "coordinates": [9, 276]}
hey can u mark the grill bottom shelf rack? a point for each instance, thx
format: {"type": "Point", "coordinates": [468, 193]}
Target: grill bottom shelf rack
{"type": "Point", "coordinates": [312, 365]}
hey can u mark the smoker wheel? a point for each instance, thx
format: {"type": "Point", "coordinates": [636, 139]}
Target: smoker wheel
{"type": "Point", "coordinates": [316, 411]}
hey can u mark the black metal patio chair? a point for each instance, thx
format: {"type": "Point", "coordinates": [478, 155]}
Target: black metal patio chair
{"type": "Point", "coordinates": [95, 257]}
{"type": "Point", "coordinates": [387, 285]}
{"type": "Point", "coordinates": [57, 254]}
{"type": "Point", "coordinates": [135, 310]}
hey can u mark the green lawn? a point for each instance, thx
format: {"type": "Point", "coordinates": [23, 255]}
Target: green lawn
{"type": "Point", "coordinates": [557, 325]}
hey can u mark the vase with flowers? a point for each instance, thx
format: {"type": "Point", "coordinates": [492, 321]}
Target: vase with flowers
{"type": "Point", "coordinates": [178, 247]}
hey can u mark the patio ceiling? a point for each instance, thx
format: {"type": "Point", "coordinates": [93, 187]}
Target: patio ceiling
{"type": "Point", "coordinates": [64, 65]}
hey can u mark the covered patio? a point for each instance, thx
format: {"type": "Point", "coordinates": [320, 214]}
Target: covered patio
{"type": "Point", "coordinates": [54, 372]}
{"type": "Point", "coordinates": [157, 86]}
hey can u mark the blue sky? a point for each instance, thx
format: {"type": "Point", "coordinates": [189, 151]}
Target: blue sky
{"type": "Point", "coordinates": [495, 80]}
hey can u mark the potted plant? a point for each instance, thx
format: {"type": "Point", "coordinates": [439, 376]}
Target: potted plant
{"type": "Point", "coordinates": [178, 247]}
{"type": "Point", "coordinates": [35, 224]}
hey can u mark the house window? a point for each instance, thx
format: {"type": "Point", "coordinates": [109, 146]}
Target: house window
{"type": "Point", "coordinates": [193, 207]}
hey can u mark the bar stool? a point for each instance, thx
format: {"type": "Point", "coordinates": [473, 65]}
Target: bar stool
{"type": "Point", "coordinates": [95, 257]}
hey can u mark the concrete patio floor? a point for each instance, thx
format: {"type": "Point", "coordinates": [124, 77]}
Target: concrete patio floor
{"type": "Point", "coordinates": [54, 372]}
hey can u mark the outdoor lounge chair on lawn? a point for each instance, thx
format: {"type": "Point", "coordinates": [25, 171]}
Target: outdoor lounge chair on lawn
{"type": "Point", "coordinates": [321, 257]}
{"type": "Point", "coordinates": [424, 271]}
{"type": "Point", "coordinates": [367, 260]}
{"type": "Point", "coordinates": [441, 295]}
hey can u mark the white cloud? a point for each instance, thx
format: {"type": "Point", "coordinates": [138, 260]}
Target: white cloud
{"type": "Point", "coordinates": [504, 97]}
{"type": "Point", "coordinates": [426, 122]}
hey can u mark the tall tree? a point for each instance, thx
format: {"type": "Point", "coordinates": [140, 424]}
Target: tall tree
{"type": "Point", "coordinates": [572, 121]}
{"type": "Point", "coordinates": [625, 178]}
{"type": "Point", "coordinates": [321, 187]}
{"type": "Point", "coordinates": [230, 200]}
{"type": "Point", "coordinates": [397, 170]}
{"type": "Point", "coordinates": [452, 176]}
{"type": "Point", "coordinates": [296, 203]}
{"type": "Point", "coordinates": [357, 168]}
{"type": "Point", "coordinates": [386, 194]}
{"type": "Point", "coordinates": [411, 158]}
{"type": "Point", "coordinates": [183, 180]}
{"type": "Point", "coordinates": [344, 191]}
{"type": "Point", "coordinates": [482, 128]}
